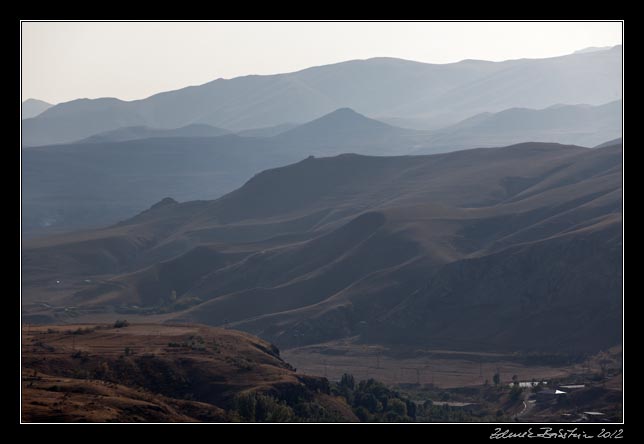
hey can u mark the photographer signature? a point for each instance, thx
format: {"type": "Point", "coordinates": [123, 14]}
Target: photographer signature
{"type": "Point", "coordinates": [549, 433]}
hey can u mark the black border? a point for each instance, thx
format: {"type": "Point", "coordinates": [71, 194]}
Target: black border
{"type": "Point", "coordinates": [466, 432]}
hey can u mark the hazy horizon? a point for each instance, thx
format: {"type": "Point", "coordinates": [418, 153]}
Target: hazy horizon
{"type": "Point", "coordinates": [87, 59]}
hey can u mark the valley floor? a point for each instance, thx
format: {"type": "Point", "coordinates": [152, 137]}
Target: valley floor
{"type": "Point", "coordinates": [441, 368]}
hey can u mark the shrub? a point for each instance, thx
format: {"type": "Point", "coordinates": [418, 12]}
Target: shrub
{"type": "Point", "coordinates": [397, 406]}
{"type": "Point", "coordinates": [121, 323]}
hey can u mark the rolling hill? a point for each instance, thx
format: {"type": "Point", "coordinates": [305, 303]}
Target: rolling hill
{"type": "Point", "coordinates": [514, 248]}
{"type": "Point", "coordinates": [161, 373]}
{"type": "Point", "coordinates": [431, 95]}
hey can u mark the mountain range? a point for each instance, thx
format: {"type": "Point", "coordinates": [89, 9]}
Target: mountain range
{"type": "Point", "coordinates": [583, 125]}
{"type": "Point", "coordinates": [514, 248]}
{"type": "Point", "coordinates": [110, 176]}
{"type": "Point", "coordinates": [420, 95]}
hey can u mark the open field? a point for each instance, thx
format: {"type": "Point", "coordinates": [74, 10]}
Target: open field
{"type": "Point", "coordinates": [405, 365]}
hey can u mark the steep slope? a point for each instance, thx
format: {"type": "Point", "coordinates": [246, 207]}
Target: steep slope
{"type": "Point", "coordinates": [514, 248]}
{"type": "Point", "coordinates": [32, 107]}
{"type": "Point", "coordinates": [148, 372]}
{"type": "Point", "coordinates": [381, 87]}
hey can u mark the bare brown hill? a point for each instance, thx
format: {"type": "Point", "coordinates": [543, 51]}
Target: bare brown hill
{"type": "Point", "coordinates": [515, 248]}
{"type": "Point", "coordinates": [163, 373]}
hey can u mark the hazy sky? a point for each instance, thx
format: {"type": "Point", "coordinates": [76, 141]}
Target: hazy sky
{"type": "Point", "coordinates": [66, 61]}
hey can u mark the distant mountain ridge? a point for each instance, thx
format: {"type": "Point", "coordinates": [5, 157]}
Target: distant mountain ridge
{"type": "Point", "coordinates": [617, 141]}
{"type": "Point", "coordinates": [583, 125]}
{"type": "Point", "coordinates": [592, 49]}
{"type": "Point", "coordinates": [379, 88]}
{"type": "Point", "coordinates": [144, 132]}
{"type": "Point", "coordinates": [89, 183]}
{"type": "Point", "coordinates": [111, 176]}
{"type": "Point", "coordinates": [33, 107]}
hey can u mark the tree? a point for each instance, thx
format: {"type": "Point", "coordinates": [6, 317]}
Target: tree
{"type": "Point", "coordinates": [245, 405]}
{"type": "Point", "coordinates": [397, 406]}
{"type": "Point", "coordinates": [497, 379]}
{"type": "Point", "coordinates": [347, 381]}
{"type": "Point", "coordinates": [411, 408]}
{"type": "Point", "coordinates": [368, 401]}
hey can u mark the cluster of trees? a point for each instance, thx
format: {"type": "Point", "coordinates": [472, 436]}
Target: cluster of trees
{"type": "Point", "coordinates": [372, 401]}
{"type": "Point", "coordinates": [261, 407]}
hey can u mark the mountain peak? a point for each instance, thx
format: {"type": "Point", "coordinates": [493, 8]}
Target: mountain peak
{"type": "Point", "coordinates": [34, 107]}
{"type": "Point", "coordinates": [164, 202]}
{"type": "Point", "coordinates": [343, 114]}
{"type": "Point", "coordinates": [343, 118]}
{"type": "Point", "coordinates": [345, 111]}
{"type": "Point", "coordinates": [344, 125]}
